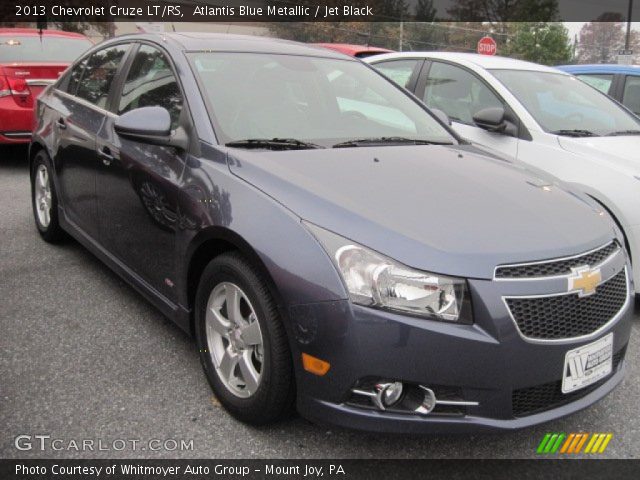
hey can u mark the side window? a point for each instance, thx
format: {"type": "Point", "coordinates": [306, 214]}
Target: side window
{"type": "Point", "coordinates": [99, 71]}
{"type": "Point", "coordinates": [601, 81]}
{"type": "Point", "coordinates": [151, 82]}
{"type": "Point", "coordinates": [631, 95]}
{"type": "Point", "coordinates": [399, 71]}
{"type": "Point", "coordinates": [457, 92]}
{"type": "Point", "coordinates": [74, 77]}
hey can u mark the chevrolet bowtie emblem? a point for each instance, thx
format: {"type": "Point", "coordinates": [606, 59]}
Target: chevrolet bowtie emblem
{"type": "Point", "coordinates": [584, 280]}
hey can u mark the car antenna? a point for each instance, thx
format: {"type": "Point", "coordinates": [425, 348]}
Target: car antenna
{"type": "Point", "coordinates": [42, 25]}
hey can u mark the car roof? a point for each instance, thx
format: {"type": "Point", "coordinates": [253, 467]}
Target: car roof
{"type": "Point", "coordinates": [484, 61]}
{"type": "Point", "coordinates": [352, 49]}
{"type": "Point", "coordinates": [221, 42]}
{"type": "Point", "coordinates": [34, 31]}
{"type": "Point", "coordinates": [601, 68]}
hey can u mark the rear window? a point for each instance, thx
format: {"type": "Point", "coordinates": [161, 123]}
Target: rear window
{"type": "Point", "coordinates": [21, 48]}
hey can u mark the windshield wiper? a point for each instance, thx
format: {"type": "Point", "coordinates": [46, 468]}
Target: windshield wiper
{"type": "Point", "coordinates": [623, 132]}
{"type": "Point", "coordinates": [575, 132]}
{"type": "Point", "coordinates": [273, 144]}
{"type": "Point", "coordinates": [387, 141]}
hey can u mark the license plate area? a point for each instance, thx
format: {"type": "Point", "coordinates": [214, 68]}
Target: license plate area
{"type": "Point", "coordinates": [587, 364]}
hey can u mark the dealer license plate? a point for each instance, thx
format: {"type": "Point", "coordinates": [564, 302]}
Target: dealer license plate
{"type": "Point", "coordinates": [587, 364]}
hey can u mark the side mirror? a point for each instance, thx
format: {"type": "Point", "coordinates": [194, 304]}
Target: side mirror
{"type": "Point", "coordinates": [150, 125]}
{"type": "Point", "coordinates": [443, 117]}
{"type": "Point", "coordinates": [493, 119]}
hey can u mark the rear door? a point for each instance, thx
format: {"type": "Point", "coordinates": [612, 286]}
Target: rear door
{"type": "Point", "coordinates": [138, 184]}
{"type": "Point", "coordinates": [80, 104]}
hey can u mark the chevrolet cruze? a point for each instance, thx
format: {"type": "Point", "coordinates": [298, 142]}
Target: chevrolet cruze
{"type": "Point", "coordinates": [30, 60]}
{"type": "Point", "coordinates": [328, 241]}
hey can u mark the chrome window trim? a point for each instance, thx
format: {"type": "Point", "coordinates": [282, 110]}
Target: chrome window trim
{"type": "Point", "coordinates": [553, 260]}
{"type": "Point", "coordinates": [581, 338]}
{"type": "Point", "coordinates": [41, 82]}
{"type": "Point", "coordinates": [85, 103]}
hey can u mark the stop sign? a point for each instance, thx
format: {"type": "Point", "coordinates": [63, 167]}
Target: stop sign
{"type": "Point", "coordinates": [487, 46]}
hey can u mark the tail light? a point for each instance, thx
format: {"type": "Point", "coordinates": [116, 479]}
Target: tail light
{"type": "Point", "coordinates": [5, 91]}
{"type": "Point", "coordinates": [18, 86]}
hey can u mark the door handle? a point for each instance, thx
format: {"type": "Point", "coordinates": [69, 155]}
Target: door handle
{"type": "Point", "coordinates": [105, 154]}
{"type": "Point", "coordinates": [60, 123]}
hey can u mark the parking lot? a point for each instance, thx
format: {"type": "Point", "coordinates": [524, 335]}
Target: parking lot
{"type": "Point", "coordinates": [83, 356]}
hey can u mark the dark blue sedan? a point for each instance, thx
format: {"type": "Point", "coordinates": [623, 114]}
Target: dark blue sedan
{"type": "Point", "coordinates": [330, 243]}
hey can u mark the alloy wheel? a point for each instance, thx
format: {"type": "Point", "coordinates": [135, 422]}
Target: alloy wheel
{"type": "Point", "coordinates": [234, 339]}
{"type": "Point", "coordinates": [43, 196]}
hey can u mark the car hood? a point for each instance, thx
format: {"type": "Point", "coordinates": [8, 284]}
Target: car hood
{"type": "Point", "coordinates": [450, 210]}
{"type": "Point", "coordinates": [621, 152]}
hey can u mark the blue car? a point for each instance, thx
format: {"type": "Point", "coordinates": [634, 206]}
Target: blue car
{"type": "Point", "coordinates": [620, 82]}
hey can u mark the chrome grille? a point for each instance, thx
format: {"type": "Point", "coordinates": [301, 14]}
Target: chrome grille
{"type": "Point", "coordinates": [568, 316]}
{"type": "Point", "coordinates": [556, 267]}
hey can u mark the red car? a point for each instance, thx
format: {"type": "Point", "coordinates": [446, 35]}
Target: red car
{"type": "Point", "coordinates": [28, 63]}
{"type": "Point", "coordinates": [359, 51]}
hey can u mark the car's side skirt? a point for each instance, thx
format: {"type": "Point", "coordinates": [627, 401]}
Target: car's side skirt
{"type": "Point", "coordinates": [173, 311]}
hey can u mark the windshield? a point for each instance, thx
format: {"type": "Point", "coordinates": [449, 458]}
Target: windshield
{"type": "Point", "coordinates": [309, 99]}
{"type": "Point", "coordinates": [562, 103]}
{"type": "Point", "coordinates": [21, 49]}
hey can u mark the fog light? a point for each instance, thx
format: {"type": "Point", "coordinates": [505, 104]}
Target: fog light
{"type": "Point", "coordinates": [429, 401]}
{"type": "Point", "coordinates": [391, 393]}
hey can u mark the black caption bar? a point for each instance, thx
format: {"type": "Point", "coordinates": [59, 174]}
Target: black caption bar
{"type": "Point", "coordinates": [314, 469]}
{"type": "Point", "coordinates": [497, 11]}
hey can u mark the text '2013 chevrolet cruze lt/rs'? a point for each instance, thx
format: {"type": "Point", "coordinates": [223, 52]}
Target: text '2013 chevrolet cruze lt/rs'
{"type": "Point", "coordinates": [328, 241]}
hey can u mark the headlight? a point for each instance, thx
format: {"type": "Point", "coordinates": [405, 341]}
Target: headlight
{"type": "Point", "coordinates": [374, 280]}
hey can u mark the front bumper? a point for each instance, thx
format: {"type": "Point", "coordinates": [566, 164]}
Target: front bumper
{"type": "Point", "coordinates": [489, 363]}
{"type": "Point", "coordinates": [352, 417]}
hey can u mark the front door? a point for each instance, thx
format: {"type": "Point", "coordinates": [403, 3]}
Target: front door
{"type": "Point", "coordinates": [138, 184]}
{"type": "Point", "coordinates": [461, 94]}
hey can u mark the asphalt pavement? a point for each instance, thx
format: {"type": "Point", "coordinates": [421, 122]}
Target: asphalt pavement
{"type": "Point", "coordinates": [84, 358]}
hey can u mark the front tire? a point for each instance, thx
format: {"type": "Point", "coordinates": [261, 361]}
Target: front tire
{"type": "Point", "coordinates": [242, 342]}
{"type": "Point", "coordinates": [44, 199]}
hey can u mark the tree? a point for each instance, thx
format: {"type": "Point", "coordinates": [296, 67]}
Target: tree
{"type": "Point", "coordinates": [380, 33]}
{"type": "Point", "coordinates": [498, 12]}
{"type": "Point", "coordinates": [425, 11]}
{"type": "Point", "coordinates": [599, 41]}
{"type": "Point", "coordinates": [104, 29]}
{"type": "Point", "coordinates": [540, 42]}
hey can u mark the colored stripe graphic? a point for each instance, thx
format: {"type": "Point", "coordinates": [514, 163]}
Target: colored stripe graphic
{"type": "Point", "coordinates": [574, 443]}
{"type": "Point", "coordinates": [581, 443]}
{"type": "Point", "coordinates": [543, 443]}
{"type": "Point", "coordinates": [565, 447]}
{"type": "Point", "coordinates": [551, 443]}
{"type": "Point", "coordinates": [556, 446]}
{"type": "Point", "coordinates": [592, 442]}
{"type": "Point", "coordinates": [606, 441]}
